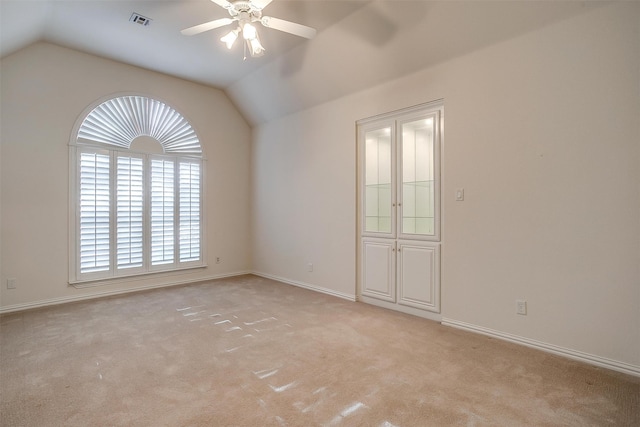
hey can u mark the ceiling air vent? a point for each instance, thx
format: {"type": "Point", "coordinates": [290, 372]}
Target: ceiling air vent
{"type": "Point", "coordinates": [139, 19]}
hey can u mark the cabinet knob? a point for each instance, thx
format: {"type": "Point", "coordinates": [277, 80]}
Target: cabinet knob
{"type": "Point", "coordinates": [393, 204]}
{"type": "Point", "coordinates": [399, 204]}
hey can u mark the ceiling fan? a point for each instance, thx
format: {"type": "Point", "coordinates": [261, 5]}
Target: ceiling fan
{"type": "Point", "coordinates": [246, 13]}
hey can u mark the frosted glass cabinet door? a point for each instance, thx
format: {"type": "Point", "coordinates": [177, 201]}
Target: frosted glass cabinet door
{"type": "Point", "coordinates": [379, 193]}
{"type": "Point", "coordinates": [419, 163]}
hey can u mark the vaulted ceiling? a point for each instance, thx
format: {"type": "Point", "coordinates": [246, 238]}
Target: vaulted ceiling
{"type": "Point", "coordinates": [360, 43]}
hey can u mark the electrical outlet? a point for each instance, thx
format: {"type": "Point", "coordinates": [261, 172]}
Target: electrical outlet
{"type": "Point", "coordinates": [11, 283]}
{"type": "Point", "coordinates": [521, 307]}
{"type": "Point", "coordinates": [309, 267]}
{"type": "Point", "coordinates": [218, 260]}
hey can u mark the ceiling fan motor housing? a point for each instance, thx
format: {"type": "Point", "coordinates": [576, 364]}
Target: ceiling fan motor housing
{"type": "Point", "coordinates": [244, 10]}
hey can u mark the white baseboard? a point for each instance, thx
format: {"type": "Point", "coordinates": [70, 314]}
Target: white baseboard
{"type": "Point", "coordinates": [549, 348]}
{"type": "Point", "coordinates": [342, 295]}
{"type": "Point", "coordinates": [75, 298]}
{"type": "Point", "coordinates": [429, 315]}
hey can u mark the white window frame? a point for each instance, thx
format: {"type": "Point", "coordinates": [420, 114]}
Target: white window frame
{"type": "Point", "coordinates": [190, 155]}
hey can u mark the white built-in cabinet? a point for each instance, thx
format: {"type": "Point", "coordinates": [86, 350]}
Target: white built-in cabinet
{"type": "Point", "coordinates": [399, 208]}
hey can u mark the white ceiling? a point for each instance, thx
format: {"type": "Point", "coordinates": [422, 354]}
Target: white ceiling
{"type": "Point", "coordinates": [360, 43]}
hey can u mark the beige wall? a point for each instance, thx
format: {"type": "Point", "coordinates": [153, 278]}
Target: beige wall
{"type": "Point", "coordinates": [542, 131]}
{"type": "Point", "coordinates": [45, 88]}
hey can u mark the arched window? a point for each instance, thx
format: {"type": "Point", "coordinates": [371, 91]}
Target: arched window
{"type": "Point", "coordinates": [136, 174]}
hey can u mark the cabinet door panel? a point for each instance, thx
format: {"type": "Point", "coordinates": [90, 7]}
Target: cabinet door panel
{"type": "Point", "coordinates": [378, 269]}
{"type": "Point", "coordinates": [418, 275]}
{"type": "Point", "coordinates": [377, 157]}
{"type": "Point", "coordinates": [418, 154]}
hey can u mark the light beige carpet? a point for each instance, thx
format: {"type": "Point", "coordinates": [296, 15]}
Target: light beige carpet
{"type": "Point", "coordinates": [248, 351]}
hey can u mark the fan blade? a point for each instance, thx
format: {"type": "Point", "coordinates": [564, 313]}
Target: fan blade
{"type": "Point", "coordinates": [223, 3]}
{"type": "Point", "coordinates": [260, 4]}
{"type": "Point", "coordinates": [207, 26]}
{"type": "Point", "coordinates": [288, 27]}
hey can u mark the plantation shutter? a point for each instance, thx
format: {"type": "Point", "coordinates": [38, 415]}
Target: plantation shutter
{"type": "Point", "coordinates": [136, 212]}
{"type": "Point", "coordinates": [129, 212]}
{"type": "Point", "coordinates": [162, 211]}
{"type": "Point", "coordinates": [94, 212]}
{"type": "Point", "coordinates": [189, 185]}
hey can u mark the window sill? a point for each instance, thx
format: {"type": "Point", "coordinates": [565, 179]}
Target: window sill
{"type": "Point", "coordinates": [81, 284]}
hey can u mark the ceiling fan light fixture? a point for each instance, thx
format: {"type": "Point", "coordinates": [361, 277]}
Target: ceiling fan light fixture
{"type": "Point", "coordinates": [230, 38]}
{"type": "Point", "coordinates": [255, 47]}
{"type": "Point", "coordinates": [249, 32]}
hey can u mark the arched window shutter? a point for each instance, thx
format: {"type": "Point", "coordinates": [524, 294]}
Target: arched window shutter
{"type": "Point", "coordinates": [119, 121]}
